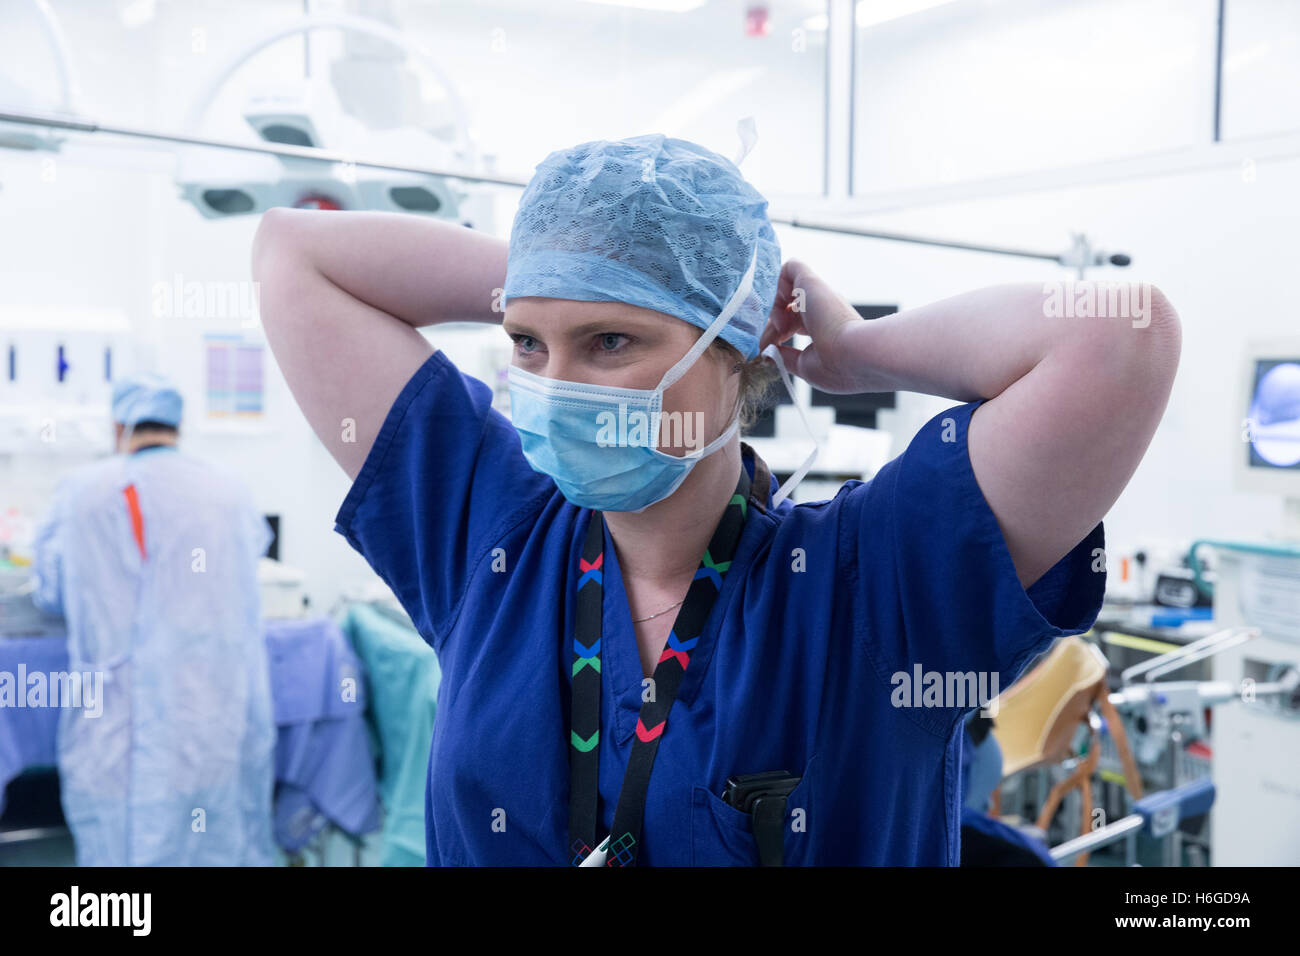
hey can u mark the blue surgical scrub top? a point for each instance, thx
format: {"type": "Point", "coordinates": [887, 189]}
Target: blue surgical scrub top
{"type": "Point", "coordinates": [829, 612]}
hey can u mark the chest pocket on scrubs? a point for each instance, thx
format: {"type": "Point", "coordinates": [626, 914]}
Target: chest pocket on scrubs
{"type": "Point", "coordinates": [722, 835]}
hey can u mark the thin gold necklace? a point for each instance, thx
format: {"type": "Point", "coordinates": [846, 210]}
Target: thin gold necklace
{"type": "Point", "coordinates": [642, 620]}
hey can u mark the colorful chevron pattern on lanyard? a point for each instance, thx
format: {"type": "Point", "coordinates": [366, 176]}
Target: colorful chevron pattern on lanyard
{"type": "Point", "coordinates": [584, 735]}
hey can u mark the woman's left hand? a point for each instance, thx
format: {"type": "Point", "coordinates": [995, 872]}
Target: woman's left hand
{"type": "Point", "coordinates": [806, 305]}
{"type": "Point", "coordinates": [1069, 404]}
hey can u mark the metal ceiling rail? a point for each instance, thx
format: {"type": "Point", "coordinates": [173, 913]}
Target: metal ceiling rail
{"type": "Point", "coordinates": [1079, 256]}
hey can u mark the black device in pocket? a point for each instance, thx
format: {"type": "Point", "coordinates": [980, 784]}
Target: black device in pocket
{"type": "Point", "coordinates": [763, 796]}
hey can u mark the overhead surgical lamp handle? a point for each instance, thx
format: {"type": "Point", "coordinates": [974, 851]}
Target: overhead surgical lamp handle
{"type": "Point", "coordinates": [348, 24]}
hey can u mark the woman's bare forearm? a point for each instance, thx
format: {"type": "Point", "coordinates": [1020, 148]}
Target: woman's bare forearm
{"type": "Point", "coordinates": [420, 270]}
{"type": "Point", "coordinates": [969, 346]}
{"type": "Point", "coordinates": [975, 345]}
{"type": "Point", "coordinates": [1073, 397]}
{"type": "Point", "coordinates": [1075, 378]}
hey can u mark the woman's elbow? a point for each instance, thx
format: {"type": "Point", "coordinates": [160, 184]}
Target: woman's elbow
{"type": "Point", "coordinates": [1155, 311]}
{"type": "Point", "coordinates": [267, 242]}
{"type": "Point", "coordinates": [1140, 361]}
{"type": "Point", "coordinates": [1130, 343]}
{"type": "Point", "coordinates": [1130, 324]}
{"type": "Point", "coordinates": [1162, 331]}
{"type": "Point", "coordinates": [281, 267]}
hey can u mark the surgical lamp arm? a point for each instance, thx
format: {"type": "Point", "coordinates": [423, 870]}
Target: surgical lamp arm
{"type": "Point", "coordinates": [350, 24]}
{"type": "Point", "coordinates": [69, 87]}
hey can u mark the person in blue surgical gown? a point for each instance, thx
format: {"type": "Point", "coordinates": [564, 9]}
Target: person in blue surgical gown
{"type": "Point", "coordinates": [151, 557]}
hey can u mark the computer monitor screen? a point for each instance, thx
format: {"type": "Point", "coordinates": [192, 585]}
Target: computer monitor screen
{"type": "Point", "coordinates": [273, 550]}
{"type": "Point", "coordinates": [1273, 418]}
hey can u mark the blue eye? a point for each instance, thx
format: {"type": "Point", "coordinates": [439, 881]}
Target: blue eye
{"type": "Point", "coordinates": [610, 341]}
{"type": "Point", "coordinates": [525, 343]}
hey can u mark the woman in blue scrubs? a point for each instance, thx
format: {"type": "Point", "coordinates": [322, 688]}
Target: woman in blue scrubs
{"type": "Point", "coordinates": [627, 611]}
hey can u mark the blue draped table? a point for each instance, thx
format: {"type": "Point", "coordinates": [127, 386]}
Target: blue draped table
{"type": "Point", "coordinates": [324, 761]}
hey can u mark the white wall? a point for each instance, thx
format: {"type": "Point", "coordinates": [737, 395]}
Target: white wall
{"type": "Point", "coordinates": [968, 96]}
{"type": "Point", "coordinates": [995, 87]}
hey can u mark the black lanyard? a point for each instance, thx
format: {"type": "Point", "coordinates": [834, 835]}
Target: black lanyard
{"type": "Point", "coordinates": [584, 735]}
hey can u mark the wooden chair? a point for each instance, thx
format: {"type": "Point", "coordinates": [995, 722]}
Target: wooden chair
{"type": "Point", "coordinates": [1035, 721]}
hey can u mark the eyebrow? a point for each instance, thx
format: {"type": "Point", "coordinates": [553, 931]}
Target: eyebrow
{"type": "Point", "coordinates": [613, 323]}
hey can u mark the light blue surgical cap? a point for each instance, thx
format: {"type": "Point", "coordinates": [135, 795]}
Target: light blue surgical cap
{"type": "Point", "coordinates": [652, 221]}
{"type": "Point", "coordinates": [146, 397]}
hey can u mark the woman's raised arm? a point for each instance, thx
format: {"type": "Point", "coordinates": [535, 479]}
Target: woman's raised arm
{"type": "Point", "coordinates": [1076, 377]}
{"type": "Point", "coordinates": [341, 295]}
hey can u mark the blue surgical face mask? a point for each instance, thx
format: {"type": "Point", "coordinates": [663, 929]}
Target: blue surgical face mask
{"type": "Point", "coordinates": [599, 443]}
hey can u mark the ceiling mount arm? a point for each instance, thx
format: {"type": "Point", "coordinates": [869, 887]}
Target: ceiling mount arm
{"type": "Point", "coordinates": [348, 24]}
{"type": "Point", "coordinates": [70, 88]}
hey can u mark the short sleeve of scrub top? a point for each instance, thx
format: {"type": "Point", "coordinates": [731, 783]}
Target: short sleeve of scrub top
{"type": "Point", "coordinates": [435, 489]}
{"type": "Point", "coordinates": [818, 658]}
{"type": "Point", "coordinates": [936, 588]}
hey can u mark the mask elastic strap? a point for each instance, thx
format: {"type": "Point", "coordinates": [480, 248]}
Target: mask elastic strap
{"type": "Point", "coordinates": [783, 492]}
{"type": "Point", "coordinates": [711, 333]}
{"type": "Point", "coordinates": [718, 442]}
